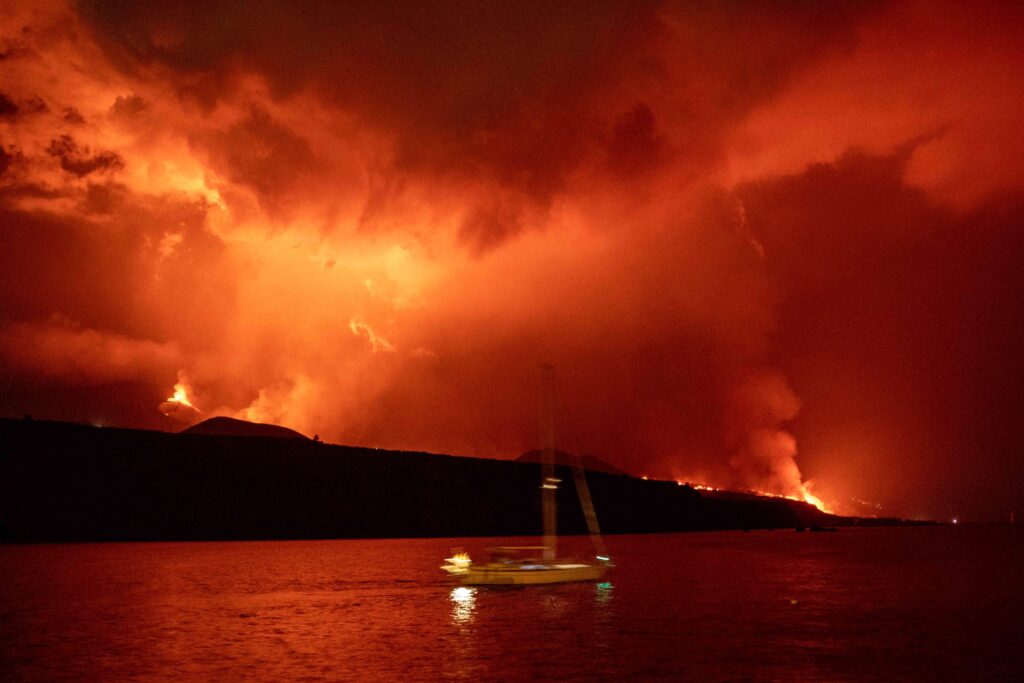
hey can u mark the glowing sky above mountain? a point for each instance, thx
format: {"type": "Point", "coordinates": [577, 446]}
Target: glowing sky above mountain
{"type": "Point", "coordinates": [762, 245]}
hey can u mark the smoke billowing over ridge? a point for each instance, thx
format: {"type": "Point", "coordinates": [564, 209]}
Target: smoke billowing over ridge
{"type": "Point", "coordinates": [759, 244]}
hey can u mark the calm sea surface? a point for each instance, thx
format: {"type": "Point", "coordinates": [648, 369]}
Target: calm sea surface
{"type": "Point", "coordinates": [865, 604]}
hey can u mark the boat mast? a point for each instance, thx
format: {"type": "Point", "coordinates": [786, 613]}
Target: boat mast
{"type": "Point", "coordinates": [549, 484]}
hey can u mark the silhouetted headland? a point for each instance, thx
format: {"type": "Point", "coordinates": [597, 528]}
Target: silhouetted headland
{"type": "Point", "coordinates": [229, 426]}
{"type": "Point", "coordinates": [70, 482]}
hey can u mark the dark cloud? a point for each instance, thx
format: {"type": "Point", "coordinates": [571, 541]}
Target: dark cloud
{"type": "Point", "coordinates": [7, 107]}
{"type": "Point", "coordinates": [44, 253]}
{"type": "Point", "coordinates": [79, 161]}
{"type": "Point", "coordinates": [485, 95]}
{"type": "Point", "coordinates": [29, 190]}
{"type": "Point", "coordinates": [897, 325]}
{"type": "Point", "coordinates": [129, 265]}
{"type": "Point", "coordinates": [32, 106]}
{"type": "Point", "coordinates": [128, 106]}
{"type": "Point", "coordinates": [460, 61]}
{"type": "Point", "coordinates": [36, 105]}
{"type": "Point", "coordinates": [635, 144]}
{"type": "Point", "coordinates": [488, 226]}
{"type": "Point", "coordinates": [103, 199]}
{"type": "Point", "coordinates": [59, 348]}
{"type": "Point", "coordinates": [264, 155]}
{"type": "Point", "coordinates": [73, 116]}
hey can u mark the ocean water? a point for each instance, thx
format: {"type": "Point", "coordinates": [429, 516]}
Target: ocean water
{"type": "Point", "coordinates": [861, 604]}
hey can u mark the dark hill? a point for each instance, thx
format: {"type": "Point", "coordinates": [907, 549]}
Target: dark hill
{"type": "Point", "coordinates": [229, 426]}
{"type": "Point", "coordinates": [63, 482]}
{"type": "Point", "coordinates": [568, 459]}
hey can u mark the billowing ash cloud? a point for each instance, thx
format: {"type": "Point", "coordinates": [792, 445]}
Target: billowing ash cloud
{"type": "Point", "coordinates": [79, 161]}
{"type": "Point", "coordinates": [761, 244]}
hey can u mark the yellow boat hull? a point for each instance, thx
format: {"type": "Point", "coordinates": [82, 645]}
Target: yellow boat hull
{"type": "Point", "coordinates": [505, 575]}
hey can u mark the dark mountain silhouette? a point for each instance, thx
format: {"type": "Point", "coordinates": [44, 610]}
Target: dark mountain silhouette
{"type": "Point", "coordinates": [229, 426]}
{"type": "Point", "coordinates": [62, 482]}
{"type": "Point", "coordinates": [589, 462]}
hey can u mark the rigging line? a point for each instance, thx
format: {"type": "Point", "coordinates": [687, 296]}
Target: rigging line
{"type": "Point", "coordinates": [583, 490]}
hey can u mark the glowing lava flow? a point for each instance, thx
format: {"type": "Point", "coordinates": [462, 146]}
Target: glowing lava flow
{"type": "Point", "coordinates": [178, 406]}
{"type": "Point", "coordinates": [181, 397]}
{"type": "Point", "coordinates": [805, 497]}
{"type": "Point", "coordinates": [805, 494]}
{"type": "Point", "coordinates": [809, 497]}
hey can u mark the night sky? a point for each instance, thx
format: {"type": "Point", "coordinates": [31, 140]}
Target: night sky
{"type": "Point", "coordinates": [774, 246]}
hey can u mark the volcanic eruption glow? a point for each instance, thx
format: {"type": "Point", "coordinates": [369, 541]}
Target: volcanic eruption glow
{"type": "Point", "coordinates": [178, 406]}
{"type": "Point", "coordinates": [809, 497]}
{"type": "Point", "coordinates": [734, 229]}
{"type": "Point", "coordinates": [180, 396]}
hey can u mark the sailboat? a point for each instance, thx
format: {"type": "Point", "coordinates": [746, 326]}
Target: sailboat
{"type": "Point", "coordinates": [521, 565]}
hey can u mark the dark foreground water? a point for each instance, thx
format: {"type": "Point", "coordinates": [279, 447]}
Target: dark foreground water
{"type": "Point", "coordinates": [870, 604]}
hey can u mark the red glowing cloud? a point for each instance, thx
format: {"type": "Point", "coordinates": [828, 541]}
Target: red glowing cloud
{"type": "Point", "coordinates": [761, 245]}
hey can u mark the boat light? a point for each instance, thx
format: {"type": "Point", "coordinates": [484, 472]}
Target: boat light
{"type": "Point", "coordinates": [460, 560]}
{"type": "Point", "coordinates": [603, 558]}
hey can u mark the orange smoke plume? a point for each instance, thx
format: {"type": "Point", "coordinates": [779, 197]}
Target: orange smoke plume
{"type": "Point", "coordinates": [733, 228]}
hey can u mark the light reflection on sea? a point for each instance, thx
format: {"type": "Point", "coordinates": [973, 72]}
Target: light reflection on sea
{"type": "Point", "coordinates": [463, 602]}
{"type": "Point", "coordinates": [879, 604]}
